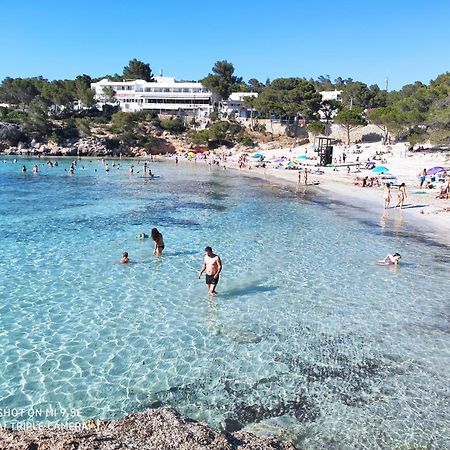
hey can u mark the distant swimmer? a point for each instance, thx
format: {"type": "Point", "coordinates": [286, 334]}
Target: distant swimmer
{"type": "Point", "coordinates": [213, 266]}
{"type": "Point", "coordinates": [143, 236]}
{"type": "Point", "coordinates": [390, 260]}
{"type": "Point", "coordinates": [106, 168]}
{"type": "Point", "coordinates": [24, 169]}
{"type": "Point", "coordinates": [131, 170]}
{"type": "Point", "coordinates": [35, 169]}
{"type": "Point", "coordinates": [159, 242]}
{"type": "Point", "coordinates": [124, 259]}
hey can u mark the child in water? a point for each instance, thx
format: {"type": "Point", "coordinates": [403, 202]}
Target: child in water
{"type": "Point", "coordinates": [124, 259]}
{"type": "Point", "coordinates": [143, 236]}
{"type": "Point", "coordinates": [390, 260]}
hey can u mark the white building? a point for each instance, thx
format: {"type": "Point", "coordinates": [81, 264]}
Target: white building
{"type": "Point", "coordinates": [331, 95]}
{"type": "Point", "coordinates": [235, 104]}
{"type": "Point", "coordinates": [164, 96]}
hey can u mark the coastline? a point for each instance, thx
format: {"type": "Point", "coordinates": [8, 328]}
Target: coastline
{"type": "Point", "coordinates": [152, 429]}
{"type": "Point", "coordinates": [422, 214]}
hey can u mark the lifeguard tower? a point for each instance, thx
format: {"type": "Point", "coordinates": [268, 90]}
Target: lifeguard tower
{"type": "Point", "coordinates": [325, 151]}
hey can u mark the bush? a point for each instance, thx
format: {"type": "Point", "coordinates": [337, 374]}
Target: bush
{"type": "Point", "coordinates": [247, 141]}
{"type": "Point", "coordinates": [174, 126]}
{"type": "Point", "coordinates": [214, 116]}
{"type": "Point", "coordinates": [111, 144]}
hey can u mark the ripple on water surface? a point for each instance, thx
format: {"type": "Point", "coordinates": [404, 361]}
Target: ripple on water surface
{"type": "Point", "coordinates": [308, 338]}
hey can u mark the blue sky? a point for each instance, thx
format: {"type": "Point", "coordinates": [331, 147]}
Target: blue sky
{"type": "Point", "coordinates": [366, 40]}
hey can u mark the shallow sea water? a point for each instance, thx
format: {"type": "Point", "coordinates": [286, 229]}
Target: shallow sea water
{"type": "Point", "coordinates": [308, 338]}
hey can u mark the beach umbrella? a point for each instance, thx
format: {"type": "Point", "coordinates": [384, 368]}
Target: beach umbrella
{"type": "Point", "coordinates": [258, 155]}
{"type": "Point", "coordinates": [191, 154]}
{"type": "Point", "coordinates": [380, 169]}
{"type": "Point", "coordinates": [435, 170]}
{"type": "Point", "coordinates": [302, 157]}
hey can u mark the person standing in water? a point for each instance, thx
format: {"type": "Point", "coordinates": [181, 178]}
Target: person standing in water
{"type": "Point", "coordinates": [387, 195]}
{"type": "Point", "coordinates": [212, 264]}
{"type": "Point", "coordinates": [159, 242]}
{"type": "Point", "coordinates": [401, 195]}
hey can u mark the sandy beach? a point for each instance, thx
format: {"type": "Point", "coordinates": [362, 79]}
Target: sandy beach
{"type": "Point", "coordinates": [422, 211]}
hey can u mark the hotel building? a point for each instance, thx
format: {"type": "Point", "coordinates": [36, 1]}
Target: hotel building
{"type": "Point", "coordinates": [164, 95]}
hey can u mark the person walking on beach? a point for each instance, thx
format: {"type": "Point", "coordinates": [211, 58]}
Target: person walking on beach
{"type": "Point", "coordinates": [401, 195]}
{"type": "Point", "coordinates": [422, 178]}
{"type": "Point", "coordinates": [299, 176]}
{"type": "Point", "coordinates": [159, 242]}
{"type": "Point", "coordinates": [387, 195]}
{"type": "Point", "coordinates": [212, 264]}
{"type": "Point", "coordinates": [306, 175]}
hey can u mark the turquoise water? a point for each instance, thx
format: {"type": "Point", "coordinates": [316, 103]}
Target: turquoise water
{"type": "Point", "coordinates": [308, 338]}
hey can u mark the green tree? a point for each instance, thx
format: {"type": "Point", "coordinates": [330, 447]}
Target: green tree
{"type": "Point", "coordinates": [349, 119]}
{"type": "Point", "coordinates": [83, 126]}
{"type": "Point", "coordinates": [174, 126]}
{"type": "Point", "coordinates": [123, 122]}
{"type": "Point", "coordinates": [83, 91]}
{"type": "Point", "coordinates": [330, 108]}
{"type": "Point", "coordinates": [389, 120]}
{"type": "Point", "coordinates": [316, 128]}
{"type": "Point", "coordinates": [378, 97]}
{"type": "Point", "coordinates": [37, 123]}
{"type": "Point", "coordinates": [356, 94]}
{"type": "Point", "coordinates": [18, 91]}
{"type": "Point", "coordinates": [222, 79]}
{"type": "Point", "coordinates": [137, 70]}
{"type": "Point", "coordinates": [255, 85]}
{"type": "Point", "coordinates": [290, 97]}
{"type": "Point", "coordinates": [109, 94]}
{"type": "Point", "coordinates": [249, 102]}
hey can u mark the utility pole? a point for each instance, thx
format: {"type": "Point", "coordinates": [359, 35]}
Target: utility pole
{"type": "Point", "coordinates": [386, 84]}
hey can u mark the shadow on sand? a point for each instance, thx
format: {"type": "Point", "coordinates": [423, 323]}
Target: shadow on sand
{"type": "Point", "coordinates": [247, 290]}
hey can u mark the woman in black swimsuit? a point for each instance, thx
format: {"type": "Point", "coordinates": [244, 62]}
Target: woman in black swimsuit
{"type": "Point", "coordinates": [159, 242]}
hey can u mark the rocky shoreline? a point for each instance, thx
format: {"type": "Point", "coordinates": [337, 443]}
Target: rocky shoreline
{"type": "Point", "coordinates": [153, 429]}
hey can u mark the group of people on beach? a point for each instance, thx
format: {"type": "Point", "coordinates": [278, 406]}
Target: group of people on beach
{"type": "Point", "coordinates": [212, 263]}
{"type": "Point", "coordinates": [401, 195]}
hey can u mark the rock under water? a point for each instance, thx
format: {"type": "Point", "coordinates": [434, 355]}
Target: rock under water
{"type": "Point", "coordinates": [152, 429]}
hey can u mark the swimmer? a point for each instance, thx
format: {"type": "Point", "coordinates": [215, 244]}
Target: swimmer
{"type": "Point", "coordinates": [159, 242]}
{"type": "Point", "coordinates": [24, 169]}
{"type": "Point", "coordinates": [35, 169]}
{"type": "Point", "coordinates": [131, 170]}
{"type": "Point", "coordinates": [124, 259]}
{"type": "Point", "coordinates": [143, 236]}
{"type": "Point", "coordinates": [213, 266]}
{"type": "Point", "coordinates": [391, 260]}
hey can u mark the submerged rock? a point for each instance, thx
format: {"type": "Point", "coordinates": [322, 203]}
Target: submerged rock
{"type": "Point", "coordinates": [159, 429]}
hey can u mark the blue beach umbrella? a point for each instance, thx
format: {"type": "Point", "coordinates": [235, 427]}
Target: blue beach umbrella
{"type": "Point", "coordinates": [302, 157]}
{"type": "Point", "coordinates": [380, 169]}
{"type": "Point", "coordinates": [258, 155]}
